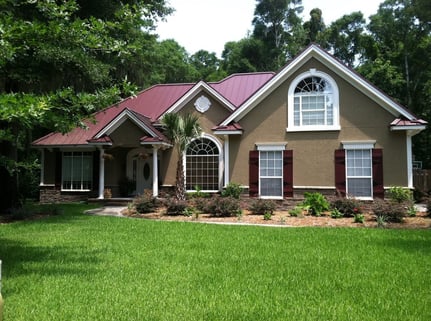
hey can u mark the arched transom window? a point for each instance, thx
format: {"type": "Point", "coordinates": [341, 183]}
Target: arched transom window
{"type": "Point", "coordinates": [313, 103]}
{"type": "Point", "coordinates": [202, 165]}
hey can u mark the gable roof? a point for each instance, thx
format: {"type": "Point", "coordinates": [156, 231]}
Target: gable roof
{"type": "Point", "coordinates": [239, 93]}
{"type": "Point", "coordinates": [153, 102]}
{"type": "Point", "coordinates": [348, 74]}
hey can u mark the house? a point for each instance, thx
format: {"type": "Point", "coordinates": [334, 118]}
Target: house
{"type": "Point", "coordinates": [316, 125]}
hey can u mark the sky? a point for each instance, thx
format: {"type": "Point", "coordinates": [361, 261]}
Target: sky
{"type": "Point", "coordinates": [209, 24]}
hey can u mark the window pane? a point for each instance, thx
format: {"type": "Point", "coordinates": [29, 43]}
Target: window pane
{"type": "Point", "coordinates": [271, 187]}
{"type": "Point", "coordinates": [359, 187]}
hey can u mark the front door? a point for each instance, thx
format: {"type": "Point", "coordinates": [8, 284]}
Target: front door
{"type": "Point", "coordinates": [144, 175]}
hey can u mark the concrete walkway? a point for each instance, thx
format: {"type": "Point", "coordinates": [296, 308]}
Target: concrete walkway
{"type": "Point", "coordinates": [107, 211]}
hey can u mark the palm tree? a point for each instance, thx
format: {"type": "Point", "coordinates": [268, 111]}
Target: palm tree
{"type": "Point", "coordinates": [181, 130]}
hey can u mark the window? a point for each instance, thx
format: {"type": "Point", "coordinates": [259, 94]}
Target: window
{"type": "Point", "coordinates": [313, 103]}
{"type": "Point", "coordinates": [77, 171]}
{"type": "Point", "coordinates": [359, 174]}
{"type": "Point", "coordinates": [202, 165]}
{"type": "Point", "coordinates": [271, 173]}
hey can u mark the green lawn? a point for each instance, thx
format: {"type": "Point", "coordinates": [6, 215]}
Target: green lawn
{"type": "Point", "coordinates": [79, 267]}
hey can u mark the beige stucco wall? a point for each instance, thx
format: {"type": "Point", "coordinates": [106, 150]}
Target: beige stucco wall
{"type": "Point", "coordinates": [313, 152]}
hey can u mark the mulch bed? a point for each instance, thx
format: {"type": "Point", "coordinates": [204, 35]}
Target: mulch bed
{"type": "Point", "coordinates": [282, 218]}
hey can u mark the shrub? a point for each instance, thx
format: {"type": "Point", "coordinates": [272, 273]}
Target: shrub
{"type": "Point", "coordinates": [175, 207]}
{"type": "Point", "coordinates": [232, 190]}
{"type": "Point", "coordinates": [202, 204]}
{"type": "Point", "coordinates": [145, 203]}
{"type": "Point", "coordinates": [224, 206]}
{"type": "Point", "coordinates": [317, 203]}
{"type": "Point", "coordinates": [400, 194]}
{"type": "Point", "coordinates": [261, 206]}
{"type": "Point", "coordinates": [335, 213]}
{"type": "Point", "coordinates": [389, 210]}
{"type": "Point", "coordinates": [296, 211]}
{"type": "Point", "coordinates": [347, 206]}
{"type": "Point", "coordinates": [198, 193]}
{"type": "Point", "coordinates": [359, 218]}
{"type": "Point", "coordinates": [267, 216]}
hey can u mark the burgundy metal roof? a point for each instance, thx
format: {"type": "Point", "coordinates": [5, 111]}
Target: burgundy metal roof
{"type": "Point", "coordinates": [153, 102]}
{"type": "Point", "coordinates": [406, 122]}
{"type": "Point", "coordinates": [238, 87]}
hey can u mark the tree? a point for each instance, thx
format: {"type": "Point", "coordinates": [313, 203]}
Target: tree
{"type": "Point", "coordinates": [314, 26]}
{"type": "Point", "coordinates": [61, 61]}
{"type": "Point", "coordinates": [345, 37]}
{"type": "Point", "coordinates": [207, 65]}
{"type": "Point", "coordinates": [278, 25]}
{"type": "Point", "coordinates": [399, 55]}
{"type": "Point", "coordinates": [181, 130]}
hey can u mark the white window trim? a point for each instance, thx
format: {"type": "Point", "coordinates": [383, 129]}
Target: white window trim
{"type": "Point", "coordinates": [271, 147]}
{"type": "Point", "coordinates": [290, 104]}
{"type": "Point", "coordinates": [356, 145]}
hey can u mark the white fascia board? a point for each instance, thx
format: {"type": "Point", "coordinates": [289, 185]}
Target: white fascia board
{"type": "Point", "coordinates": [227, 132]}
{"type": "Point", "coordinates": [361, 84]}
{"type": "Point", "coordinates": [412, 127]}
{"type": "Point", "coordinates": [120, 119]}
{"type": "Point", "coordinates": [192, 93]}
{"type": "Point", "coordinates": [339, 68]}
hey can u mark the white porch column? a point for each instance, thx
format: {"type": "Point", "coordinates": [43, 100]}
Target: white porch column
{"type": "Point", "coordinates": [155, 172]}
{"type": "Point", "coordinates": [409, 161]}
{"type": "Point", "coordinates": [226, 160]}
{"type": "Point", "coordinates": [101, 173]}
{"type": "Point", "coordinates": [42, 167]}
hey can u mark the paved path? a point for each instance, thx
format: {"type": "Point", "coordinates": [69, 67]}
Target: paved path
{"type": "Point", "coordinates": [107, 211]}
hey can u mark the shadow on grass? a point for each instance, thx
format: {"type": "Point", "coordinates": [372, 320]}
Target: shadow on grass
{"type": "Point", "coordinates": [420, 245]}
{"type": "Point", "coordinates": [21, 259]}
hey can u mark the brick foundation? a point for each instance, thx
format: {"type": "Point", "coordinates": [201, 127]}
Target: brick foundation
{"type": "Point", "coordinates": [53, 194]}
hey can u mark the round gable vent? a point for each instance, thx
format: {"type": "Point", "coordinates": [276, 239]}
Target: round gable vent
{"type": "Point", "coordinates": [202, 104]}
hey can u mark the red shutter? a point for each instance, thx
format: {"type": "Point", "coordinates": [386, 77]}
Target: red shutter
{"type": "Point", "coordinates": [340, 171]}
{"type": "Point", "coordinates": [253, 174]}
{"type": "Point", "coordinates": [288, 173]}
{"type": "Point", "coordinates": [378, 187]}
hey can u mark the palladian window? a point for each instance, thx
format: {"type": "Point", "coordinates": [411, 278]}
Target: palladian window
{"type": "Point", "coordinates": [313, 103]}
{"type": "Point", "coordinates": [202, 165]}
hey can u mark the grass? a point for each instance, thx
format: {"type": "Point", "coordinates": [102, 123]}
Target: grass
{"type": "Point", "coordinates": [79, 267]}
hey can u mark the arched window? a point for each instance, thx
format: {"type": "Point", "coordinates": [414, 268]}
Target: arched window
{"type": "Point", "coordinates": [313, 103]}
{"type": "Point", "coordinates": [202, 165]}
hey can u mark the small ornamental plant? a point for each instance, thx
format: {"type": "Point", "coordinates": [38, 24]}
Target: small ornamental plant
{"type": "Point", "coordinates": [317, 203]}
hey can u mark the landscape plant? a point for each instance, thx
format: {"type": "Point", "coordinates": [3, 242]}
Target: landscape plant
{"type": "Point", "coordinates": [145, 203]}
{"type": "Point", "coordinates": [232, 190]}
{"type": "Point", "coordinates": [316, 202]}
{"type": "Point", "coordinates": [347, 206]}
{"type": "Point", "coordinates": [224, 206]}
{"type": "Point", "coordinates": [262, 206]}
